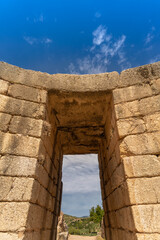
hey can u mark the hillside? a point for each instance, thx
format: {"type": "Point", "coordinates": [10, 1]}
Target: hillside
{"type": "Point", "coordinates": [81, 226]}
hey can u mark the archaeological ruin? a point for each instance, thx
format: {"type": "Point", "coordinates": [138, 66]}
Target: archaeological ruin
{"type": "Point", "coordinates": [43, 116]}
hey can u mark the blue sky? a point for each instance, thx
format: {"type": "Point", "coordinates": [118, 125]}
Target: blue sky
{"type": "Point", "coordinates": [83, 37]}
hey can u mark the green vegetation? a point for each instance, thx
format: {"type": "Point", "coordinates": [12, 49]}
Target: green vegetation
{"type": "Point", "coordinates": [86, 226]}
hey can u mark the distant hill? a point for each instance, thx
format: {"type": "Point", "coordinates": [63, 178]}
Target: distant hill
{"type": "Point", "coordinates": [81, 225]}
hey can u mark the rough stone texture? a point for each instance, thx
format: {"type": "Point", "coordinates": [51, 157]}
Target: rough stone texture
{"type": "Point", "coordinates": [44, 116]}
{"type": "Point", "coordinates": [27, 93]}
{"type": "Point", "coordinates": [62, 229]}
{"type": "Point", "coordinates": [3, 86]}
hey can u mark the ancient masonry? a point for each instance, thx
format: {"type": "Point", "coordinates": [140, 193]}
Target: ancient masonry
{"type": "Point", "coordinates": [44, 116]}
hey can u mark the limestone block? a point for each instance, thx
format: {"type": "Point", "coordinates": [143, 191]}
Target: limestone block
{"type": "Point", "coordinates": [27, 93]}
{"type": "Point", "coordinates": [11, 236]}
{"type": "Point", "coordinates": [3, 86]}
{"type": "Point", "coordinates": [13, 216]}
{"type": "Point", "coordinates": [137, 75]}
{"type": "Point", "coordinates": [119, 198]}
{"type": "Point", "coordinates": [16, 189]}
{"type": "Point", "coordinates": [156, 86]}
{"type": "Point", "coordinates": [35, 218]}
{"type": "Point", "coordinates": [143, 236]}
{"type": "Point", "coordinates": [147, 218]}
{"type": "Point", "coordinates": [34, 235]}
{"type": "Point", "coordinates": [131, 93]}
{"type": "Point", "coordinates": [20, 107]}
{"type": "Point", "coordinates": [118, 177]}
{"type": "Point", "coordinates": [136, 108]}
{"type": "Point", "coordinates": [18, 166]}
{"type": "Point", "coordinates": [26, 126]}
{"type": "Point", "coordinates": [152, 122]}
{"type": "Point", "coordinates": [149, 105]}
{"type": "Point", "coordinates": [144, 190]}
{"type": "Point", "coordinates": [125, 235]}
{"type": "Point", "coordinates": [19, 145]}
{"type": "Point", "coordinates": [142, 166]}
{"type": "Point", "coordinates": [4, 121]}
{"type": "Point", "coordinates": [130, 126]}
{"type": "Point", "coordinates": [147, 143]}
{"type": "Point", "coordinates": [125, 219]}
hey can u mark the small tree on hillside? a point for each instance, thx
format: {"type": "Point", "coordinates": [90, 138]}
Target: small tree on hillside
{"type": "Point", "coordinates": [96, 214]}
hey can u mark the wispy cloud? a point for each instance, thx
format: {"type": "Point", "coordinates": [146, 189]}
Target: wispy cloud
{"type": "Point", "coordinates": [31, 40]}
{"type": "Point", "coordinates": [155, 59]}
{"type": "Point", "coordinates": [97, 15]}
{"type": "Point", "coordinates": [150, 36]}
{"type": "Point", "coordinates": [37, 19]}
{"type": "Point", "coordinates": [80, 174]}
{"type": "Point", "coordinates": [101, 54]}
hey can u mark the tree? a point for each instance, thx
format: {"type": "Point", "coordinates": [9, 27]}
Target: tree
{"type": "Point", "coordinates": [96, 214]}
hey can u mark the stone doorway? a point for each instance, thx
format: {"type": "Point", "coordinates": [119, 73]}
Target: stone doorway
{"type": "Point", "coordinates": [43, 117]}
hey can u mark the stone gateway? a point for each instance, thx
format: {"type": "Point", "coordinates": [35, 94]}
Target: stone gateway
{"type": "Point", "coordinates": [43, 117]}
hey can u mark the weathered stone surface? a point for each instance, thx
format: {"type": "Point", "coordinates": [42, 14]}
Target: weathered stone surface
{"type": "Point", "coordinates": [152, 122]}
{"type": "Point", "coordinates": [130, 126]}
{"type": "Point", "coordinates": [11, 236]}
{"type": "Point", "coordinates": [16, 189]}
{"type": "Point", "coordinates": [26, 126]}
{"type": "Point", "coordinates": [20, 107]}
{"type": "Point", "coordinates": [147, 143]}
{"type": "Point", "coordinates": [18, 166]}
{"type": "Point", "coordinates": [142, 166]}
{"type": "Point", "coordinates": [137, 108]}
{"type": "Point", "coordinates": [27, 93]}
{"type": "Point", "coordinates": [156, 86]}
{"type": "Point", "coordinates": [143, 236]}
{"type": "Point", "coordinates": [131, 93]}
{"type": "Point", "coordinates": [144, 190]}
{"type": "Point", "coordinates": [4, 121]}
{"type": "Point", "coordinates": [3, 86]}
{"type": "Point", "coordinates": [147, 218]}
{"type": "Point", "coordinates": [62, 229]}
{"type": "Point", "coordinates": [139, 75]}
{"type": "Point", "coordinates": [13, 216]}
{"type": "Point", "coordinates": [19, 145]}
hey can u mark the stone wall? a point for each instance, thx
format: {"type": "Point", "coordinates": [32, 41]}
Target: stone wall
{"type": "Point", "coordinates": [44, 116]}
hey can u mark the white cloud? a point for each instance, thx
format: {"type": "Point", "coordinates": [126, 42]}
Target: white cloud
{"type": "Point", "coordinates": [80, 174]}
{"type": "Point", "coordinates": [32, 40]}
{"type": "Point", "coordinates": [103, 51]}
{"type": "Point", "coordinates": [40, 18]}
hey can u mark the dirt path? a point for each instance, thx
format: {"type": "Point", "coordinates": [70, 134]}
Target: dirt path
{"type": "Point", "coordinates": [75, 237]}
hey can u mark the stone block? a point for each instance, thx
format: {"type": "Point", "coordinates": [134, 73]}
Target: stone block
{"type": "Point", "coordinates": [4, 121]}
{"type": "Point", "coordinates": [3, 86]}
{"type": "Point", "coordinates": [20, 107]}
{"type": "Point", "coordinates": [13, 216]}
{"type": "Point", "coordinates": [155, 85]}
{"type": "Point", "coordinates": [147, 143]}
{"type": "Point", "coordinates": [19, 145]}
{"type": "Point", "coordinates": [152, 122]}
{"type": "Point", "coordinates": [136, 108]}
{"type": "Point", "coordinates": [142, 166]}
{"type": "Point", "coordinates": [11, 236]}
{"type": "Point", "coordinates": [125, 219]}
{"type": "Point", "coordinates": [36, 216]}
{"type": "Point", "coordinates": [144, 190]}
{"type": "Point", "coordinates": [18, 166]}
{"type": "Point", "coordinates": [27, 93]}
{"type": "Point", "coordinates": [26, 126]}
{"type": "Point", "coordinates": [118, 177]}
{"type": "Point", "coordinates": [147, 218]}
{"type": "Point", "coordinates": [132, 93]}
{"type": "Point", "coordinates": [143, 236]}
{"type": "Point", "coordinates": [138, 75]}
{"type": "Point", "coordinates": [130, 126]}
{"type": "Point", "coordinates": [16, 188]}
